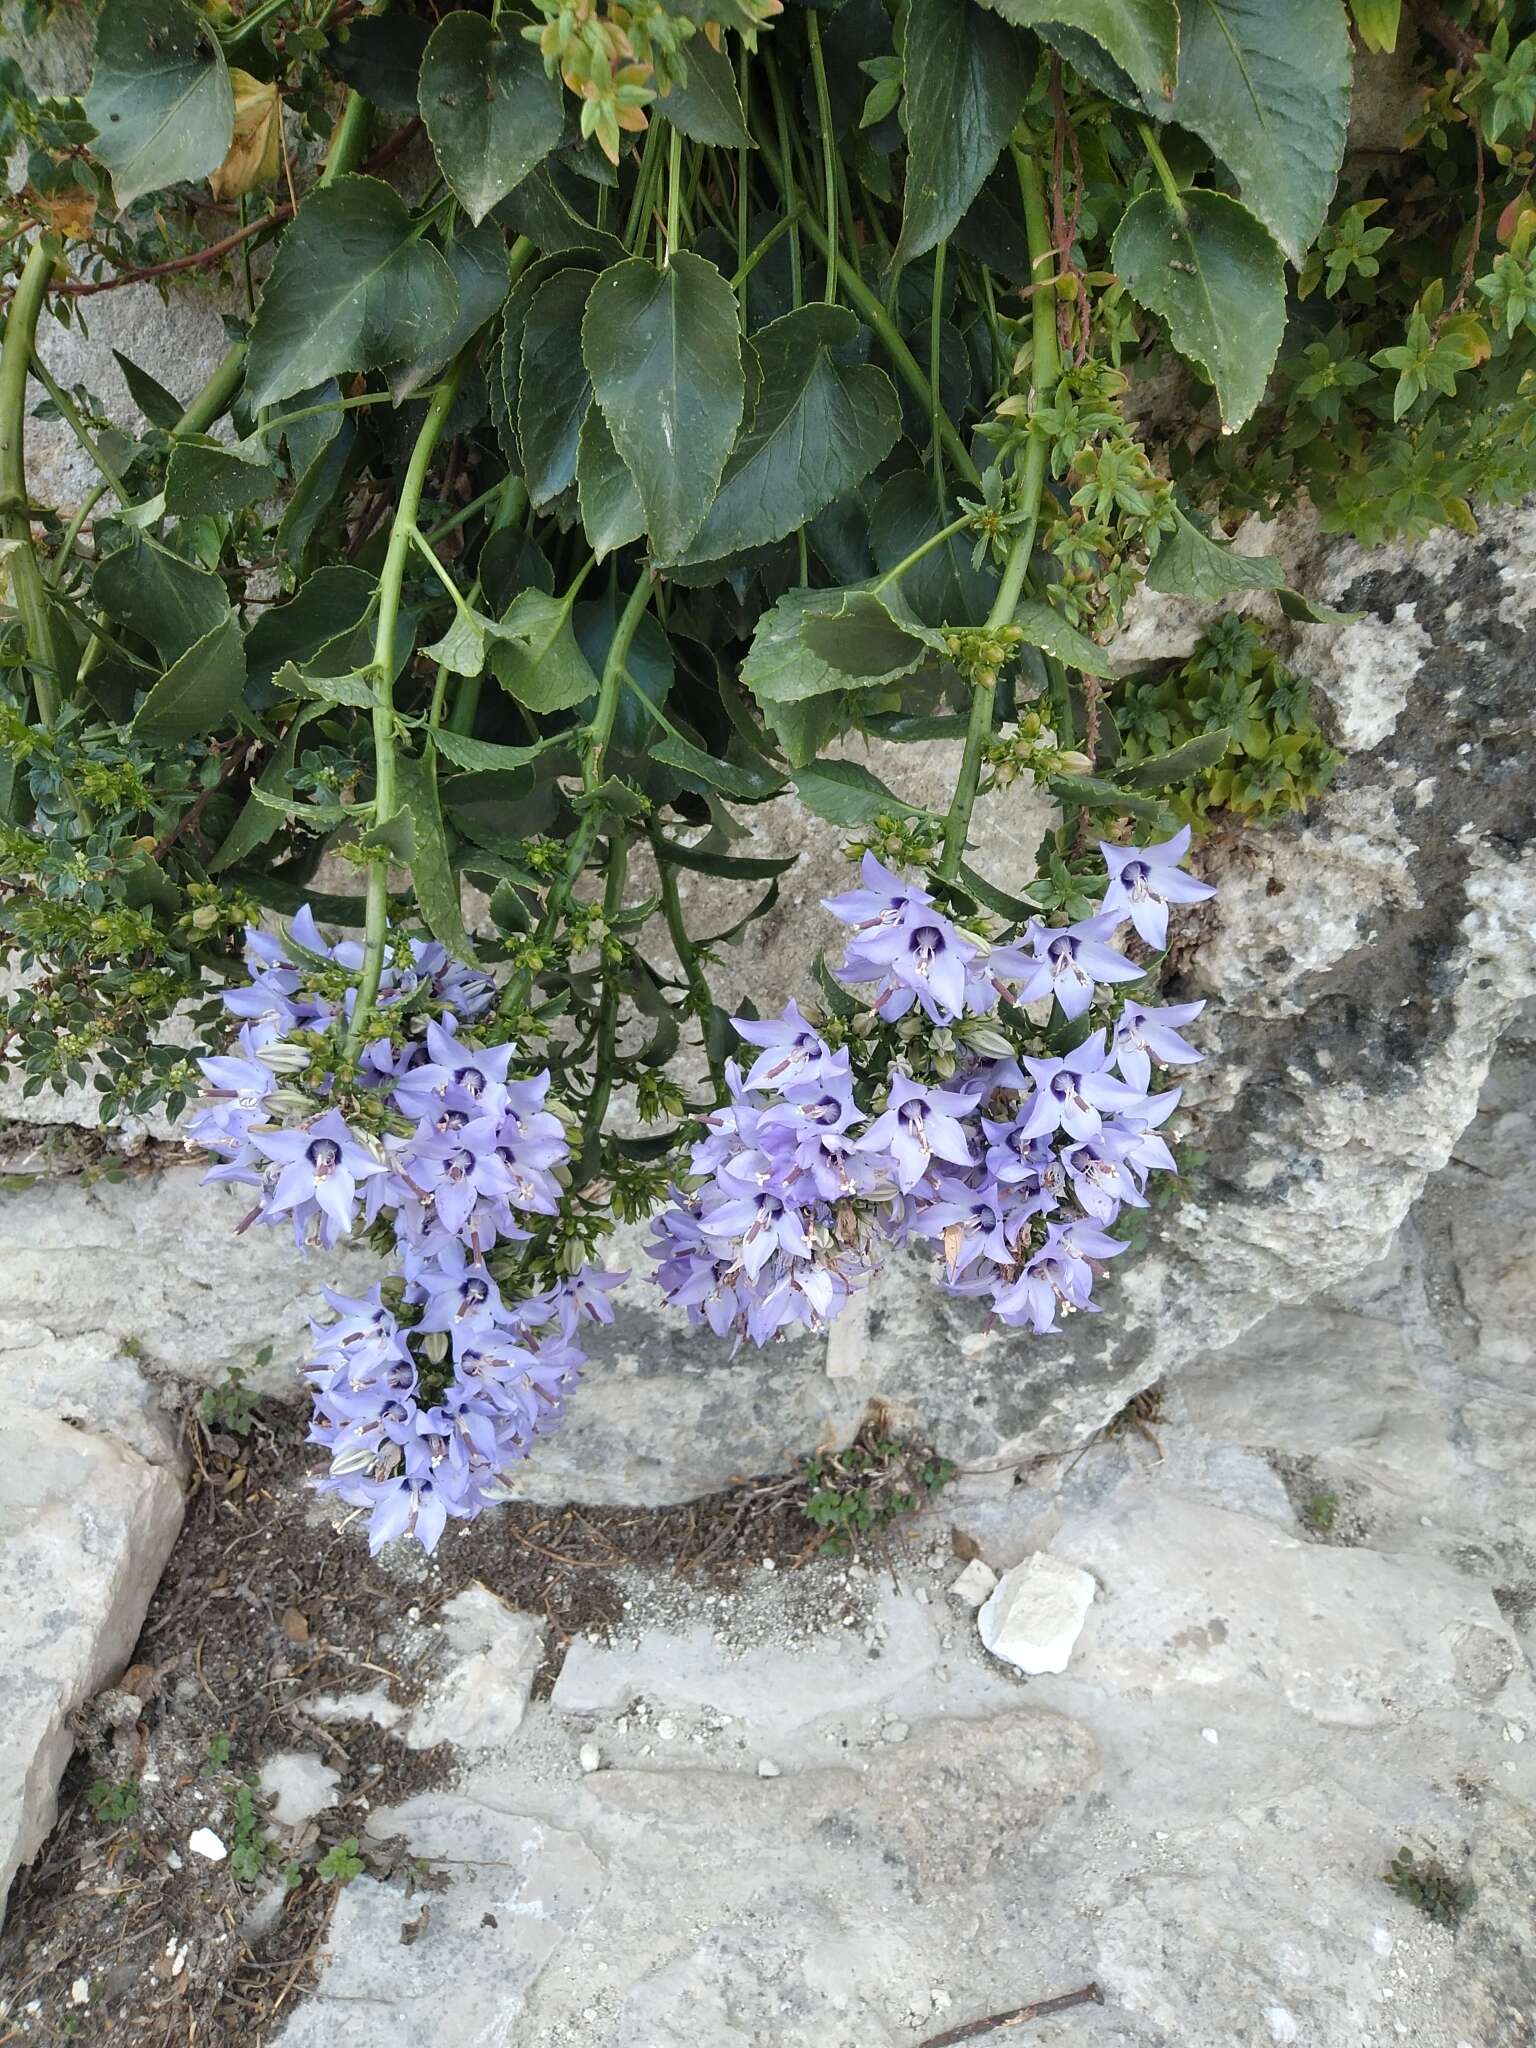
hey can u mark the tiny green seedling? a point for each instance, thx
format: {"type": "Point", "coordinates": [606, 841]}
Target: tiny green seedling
{"type": "Point", "coordinates": [231, 1405]}
{"type": "Point", "coordinates": [113, 1800]}
{"type": "Point", "coordinates": [341, 1863]}
{"type": "Point", "coordinates": [1425, 1882]}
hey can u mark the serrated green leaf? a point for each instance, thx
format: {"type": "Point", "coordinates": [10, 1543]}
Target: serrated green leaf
{"type": "Point", "coordinates": [554, 389]}
{"type": "Point", "coordinates": [780, 668]}
{"type": "Point", "coordinates": [490, 110]}
{"type": "Point", "coordinates": [966, 74]}
{"type": "Point", "coordinates": [437, 888]}
{"type": "Point", "coordinates": [478, 259]}
{"type": "Point", "coordinates": [169, 602]}
{"type": "Point", "coordinates": [1045, 628]}
{"type": "Point", "coordinates": [862, 637]}
{"type": "Point", "coordinates": [611, 511]}
{"type": "Point", "coordinates": [461, 650]}
{"type": "Point", "coordinates": [708, 107]}
{"type": "Point", "coordinates": [333, 602]}
{"type": "Point", "coordinates": [663, 350]}
{"type": "Point", "coordinates": [204, 477]}
{"type": "Point", "coordinates": [1308, 611]}
{"type": "Point", "coordinates": [1267, 87]}
{"type": "Point", "coordinates": [354, 287]}
{"type": "Point", "coordinates": [1216, 275]}
{"type": "Point", "coordinates": [1190, 564]}
{"type": "Point", "coordinates": [351, 686]}
{"type": "Point", "coordinates": [160, 97]}
{"type": "Point", "coordinates": [536, 658]}
{"type": "Point", "coordinates": [1142, 36]}
{"type": "Point", "coordinates": [480, 755]}
{"type": "Point", "coordinates": [256, 822]}
{"type": "Point", "coordinates": [845, 793]}
{"type": "Point", "coordinates": [745, 784]}
{"type": "Point", "coordinates": [199, 692]}
{"type": "Point", "coordinates": [1203, 751]}
{"type": "Point", "coordinates": [819, 427]}
{"type": "Point", "coordinates": [1093, 793]}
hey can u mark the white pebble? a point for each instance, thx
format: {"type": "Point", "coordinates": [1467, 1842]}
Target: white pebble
{"type": "Point", "coordinates": [975, 1583]}
{"type": "Point", "coordinates": [767, 1768]}
{"type": "Point", "coordinates": [897, 1731]}
{"type": "Point", "coordinates": [666, 1728]}
{"type": "Point", "coordinates": [80, 1992]}
{"type": "Point", "coordinates": [204, 1842]}
{"type": "Point", "coordinates": [1282, 2025]}
{"type": "Point", "coordinates": [590, 1756]}
{"type": "Point", "coordinates": [1209, 1735]}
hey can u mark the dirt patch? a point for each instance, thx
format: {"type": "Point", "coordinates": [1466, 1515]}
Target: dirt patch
{"type": "Point", "coordinates": [269, 1616]}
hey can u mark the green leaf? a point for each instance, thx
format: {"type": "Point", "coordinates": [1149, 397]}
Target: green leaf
{"type": "Point", "coordinates": [663, 349]}
{"type": "Point", "coordinates": [169, 602]}
{"type": "Point", "coordinates": [491, 112]}
{"type": "Point", "coordinates": [746, 784]}
{"type": "Point", "coordinates": [611, 510]}
{"type": "Point", "coordinates": [861, 637]}
{"type": "Point", "coordinates": [329, 604]}
{"type": "Point", "coordinates": [257, 822]}
{"type": "Point", "coordinates": [708, 107]}
{"type": "Point", "coordinates": [160, 407]}
{"type": "Point", "coordinates": [966, 76]}
{"type": "Point", "coordinates": [780, 668]}
{"type": "Point", "coordinates": [478, 259]}
{"type": "Point", "coordinates": [477, 755]}
{"type": "Point", "coordinates": [945, 584]}
{"type": "Point", "coordinates": [819, 427]}
{"type": "Point", "coordinates": [1215, 274]}
{"type": "Point", "coordinates": [1045, 628]}
{"type": "Point", "coordinates": [536, 659]}
{"type": "Point", "coordinates": [352, 687]}
{"type": "Point", "coordinates": [1203, 751]}
{"type": "Point", "coordinates": [160, 97]}
{"type": "Point", "coordinates": [380, 58]}
{"type": "Point", "coordinates": [437, 889]}
{"type": "Point", "coordinates": [462, 648]}
{"type": "Point", "coordinates": [1190, 564]}
{"type": "Point", "coordinates": [554, 389]}
{"type": "Point", "coordinates": [1142, 36]}
{"type": "Point", "coordinates": [1093, 793]}
{"type": "Point", "coordinates": [353, 288]}
{"type": "Point", "coordinates": [1267, 87]}
{"type": "Point", "coordinates": [1308, 611]}
{"type": "Point", "coordinates": [846, 794]}
{"type": "Point", "coordinates": [727, 866]}
{"type": "Point", "coordinates": [205, 477]}
{"type": "Point", "coordinates": [199, 692]}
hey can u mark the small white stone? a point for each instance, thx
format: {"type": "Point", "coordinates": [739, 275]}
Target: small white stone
{"type": "Point", "coordinates": [1209, 1735]}
{"type": "Point", "coordinates": [1036, 1612]}
{"type": "Point", "coordinates": [1513, 1732]}
{"type": "Point", "coordinates": [590, 1757]}
{"type": "Point", "coordinates": [204, 1842]}
{"type": "Point", "coordinates": [974, 1585]}
{"type": "Point", "coordinates": [1282, 2024]}
{"type": "Point", "coordinates": [80, 1992]}
{"type": "Point", "coordinates": [769, 1565]}
{"type": "Point", "coordinates": [767, 1768]}
{"type": "Point", "coordinates": [666, 1728]}
{"type": "Point", "coordinates": [897, 1731]}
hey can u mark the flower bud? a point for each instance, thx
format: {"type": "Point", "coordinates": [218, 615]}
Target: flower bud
{"type": "Point", "coordinates": [984, 1037]}
{"type": "Point", "coordinates": [356, 1458]}
{"type": "Point", "coordinates": [1073, 763]}
{"type": "Point", "coordinates": [289, 1102]}
{"type": "Point", "coordinates": [435, 1346]}
{"type": "Point", "coordinates": [283, 1058]}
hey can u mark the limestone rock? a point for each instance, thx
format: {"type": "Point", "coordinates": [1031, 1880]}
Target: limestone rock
{"type": "Point", "coordinates": [1036, 1612]}
{"type": "Point", "coordinates": [975, 1584]}
{"type": "Point", "coordinates": [482, 1695]}
{"type": "Point", "coordinates": [90, 1490]}
{"type": "Point", "coordinates": [299, 1785]}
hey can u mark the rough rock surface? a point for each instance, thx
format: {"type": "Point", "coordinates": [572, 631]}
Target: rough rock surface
{"type": "Point", "coordinates": [740, 1825]}
{"type": "Point", "coordinates": [1035, 1614]}
{"type": "Point", "coordinates": [92, 1498]}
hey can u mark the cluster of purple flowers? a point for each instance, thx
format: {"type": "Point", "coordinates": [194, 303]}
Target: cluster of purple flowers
{"type": "Point", "coordinates": [1014, 1168]}
{"type": "Point", "coordinates": [421, 1420]}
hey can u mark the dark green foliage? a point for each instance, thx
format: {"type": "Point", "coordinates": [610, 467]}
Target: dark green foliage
{"type": "Point", "coordinates": [113, 1800]}
{"type": "Point", "coordinates": [880, 1479]}
{"type": "Point", "coordinates": [1425, 1882]}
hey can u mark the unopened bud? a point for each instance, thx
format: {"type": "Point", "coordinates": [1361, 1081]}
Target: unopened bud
{"type": "Point", "coordinates": [435, 1346]}
{"type": "Point", "coordinates": [289, 1102]}
{"type": "Point", "coordinates": [283, 1058]}
{"type": "Point", "coordinates": [985, 1038]}
{"type": "Point", "coordinates": [205, 917]}
{"type": "Point", "coordinates": [1073, 763]}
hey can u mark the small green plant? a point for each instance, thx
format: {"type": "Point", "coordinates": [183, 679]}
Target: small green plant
{"type": "Point", "coordinates": [113, 1799]}
{"type": "Point", "coordinates": [216, 1758]}
{"type": "Point", "coordinates": [876, 1481]}
{"type": "Point", "coordinates": [341, 1862]}
{"type": "Point", "coordinates": [231, 1405]}
{"type": "Point", "coordinates": [251, 1848]}
{"type": "Point", "coordinates": [1275, 761]}
{"type": "Point", "coordinates": [1321, 1511]}
{"type": "Point", "coordinates": [1426, 1883]}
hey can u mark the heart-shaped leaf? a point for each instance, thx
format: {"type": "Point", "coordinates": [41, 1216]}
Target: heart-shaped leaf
{"type": "Point", "coordinates": [611, 510]}
{"type": "Point", "coordinates": [846, 794]}
{"type": "Point", "coordinates": [663, 349]}
{"type": "Point", "coordinates": [1216, 275]}
{"type": "Point", "coordinates": [353, 288]}
{"type": "Point", "coordinates": [160, 97]}
{"type": "Point", "coordinates": [966, 75]}
{"type": "Point", "coordinates": [490, 110]}
{"type": "Point", "coordinates": [535, 657]}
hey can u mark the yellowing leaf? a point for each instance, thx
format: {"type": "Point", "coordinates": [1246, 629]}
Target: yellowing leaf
{"type": "Point", "coordinates": [255, 150]}
{"type": "Point", "coordinates": [70, 213]}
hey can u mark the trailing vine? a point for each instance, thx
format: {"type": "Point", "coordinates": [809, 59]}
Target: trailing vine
{"type": "Point", "coordinates": [739, 383]}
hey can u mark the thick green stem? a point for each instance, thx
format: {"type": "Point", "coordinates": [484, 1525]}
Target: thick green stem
{"type": "Point", "coordinates": [349, 138]}
{"type": "Point", "coordinates": [45, 642]}
{"type": "Point", "coordinates": [70, 414]}
{"type": "Point", "coordinates": [674, 188]}
{"type": "Point", "coordinates": [216, 394]}
{"type": "Point", "coordinates": [1045, 368]}
{"type": "Point", "coordinates": [401, 540]}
